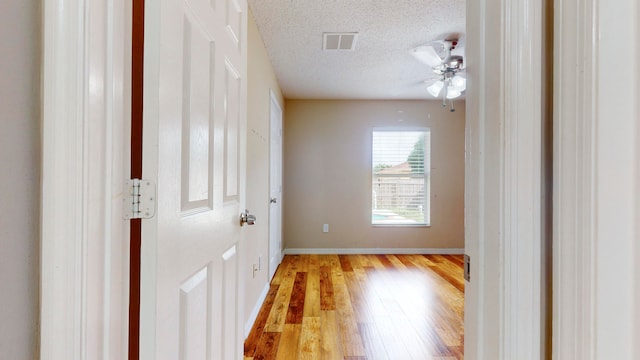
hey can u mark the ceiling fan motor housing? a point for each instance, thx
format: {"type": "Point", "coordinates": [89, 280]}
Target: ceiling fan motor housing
{"type": "Point", "coordinates": [452, 64]}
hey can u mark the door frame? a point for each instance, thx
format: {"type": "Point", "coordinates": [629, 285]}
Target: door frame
{"type": "Point", "coordinates": [596, 181]}
{"type": "Point", "coordinates": [596, 207]}
{"type": "Point", "coordinates": [504, 304]}
{"type": "Point", "coordinates": [84, 273]}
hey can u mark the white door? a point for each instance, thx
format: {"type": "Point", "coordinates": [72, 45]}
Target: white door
{"type": "Point", "coordinates": [194, 148]}
{"type": "Point", "coordinates": [275, 184]}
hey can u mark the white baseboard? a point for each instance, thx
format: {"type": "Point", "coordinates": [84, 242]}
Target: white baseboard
{"type": "Point", "coordinates": [355, 251]}
{"type": "Point", "coordinates": [256, 309]}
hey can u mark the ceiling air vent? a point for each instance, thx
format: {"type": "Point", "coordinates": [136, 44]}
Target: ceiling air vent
{"type": "Point", "coordinates": [339, 41]}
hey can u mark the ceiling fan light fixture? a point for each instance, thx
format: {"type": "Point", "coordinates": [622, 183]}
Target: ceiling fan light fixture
{"type": "Point", "coordinates": [438, 55]}
{"type": "Point", "coordinates": [459, 83]}
{"type": "Point", "coordinates": [452, 94]}
{"type": "Point", "coordinates": [435, 88]}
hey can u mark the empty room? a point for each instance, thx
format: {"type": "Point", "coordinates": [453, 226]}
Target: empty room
{"type": "Point", "coordinates": [372, 190]}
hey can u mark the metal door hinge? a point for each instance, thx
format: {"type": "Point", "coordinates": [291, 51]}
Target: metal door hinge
{"type": "Point", "coordinates": [467, 267]}
{"type": "Point", "coordinates": [140, 201]}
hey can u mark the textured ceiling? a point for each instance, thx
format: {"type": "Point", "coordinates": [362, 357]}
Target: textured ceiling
{"type": "Point", "coordinates": [380, 67]}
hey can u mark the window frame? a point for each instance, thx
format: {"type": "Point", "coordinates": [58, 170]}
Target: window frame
{"type": "Point", "coordinates": [426, 176]}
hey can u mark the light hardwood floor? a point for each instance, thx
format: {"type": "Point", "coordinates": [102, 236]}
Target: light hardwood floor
{"type": "Point", "coordinates": [370, 307]}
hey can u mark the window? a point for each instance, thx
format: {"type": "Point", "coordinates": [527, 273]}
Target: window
{"type": "Point", "coordinates": [400, 177]}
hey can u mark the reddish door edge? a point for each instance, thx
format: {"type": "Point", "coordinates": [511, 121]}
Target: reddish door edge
{"type": "Point", "coordinates": [137, 70]}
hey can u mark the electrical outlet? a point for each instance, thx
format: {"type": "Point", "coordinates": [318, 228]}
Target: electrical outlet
{"type": "Point", "coordinates": [325, 228]}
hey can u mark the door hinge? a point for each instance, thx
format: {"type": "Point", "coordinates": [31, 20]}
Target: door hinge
{"type": "Point", "coordinates": [140, 201]}
{"type": "Point", "coordinates": [467, 267]}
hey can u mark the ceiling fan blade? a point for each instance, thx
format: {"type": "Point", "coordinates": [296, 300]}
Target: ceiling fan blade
{"type": "Point", "coordinates": [427, 54]}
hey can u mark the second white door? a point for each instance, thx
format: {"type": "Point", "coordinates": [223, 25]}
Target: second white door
{"type": "Point", "coordinates": [275, 181]}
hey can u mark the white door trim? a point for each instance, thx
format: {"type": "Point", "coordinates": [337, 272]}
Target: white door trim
{"type": "Point", "coordinates": [596, 181]}
{"type": "Point", "coordinates": [521, 300]}
{"type": "Point", "coordinates": [84, 242]}
{"type": "Point", "coordinates": [574, 197]}
{"type": "Point", "coordinates": [503, 307]}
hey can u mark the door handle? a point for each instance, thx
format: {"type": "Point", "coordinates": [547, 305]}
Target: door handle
{"type": "Point", "coordinates": [273, 200]}
{"type": "Point", "coordinates": [246, 218]}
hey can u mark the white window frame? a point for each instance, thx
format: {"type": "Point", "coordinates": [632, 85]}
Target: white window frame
{"type": "Point", "coordinates": [427, 176]}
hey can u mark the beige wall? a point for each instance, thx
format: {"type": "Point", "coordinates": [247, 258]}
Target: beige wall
{"type": "Point", "coordinates": [327, 174]}
{"type": "Point", "coordinates": [19, 177]}
{"type": "Point", "coordinates": [260, 80]}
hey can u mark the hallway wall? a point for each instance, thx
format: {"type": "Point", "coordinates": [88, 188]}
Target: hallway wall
{"type": "Point", "coordinates": [260, 80]}
{"type": "Point", "coordinates": [20, 41]}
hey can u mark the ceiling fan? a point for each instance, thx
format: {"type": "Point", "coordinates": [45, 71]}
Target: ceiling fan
{"type": "Point", "coordinates": [445, 58]}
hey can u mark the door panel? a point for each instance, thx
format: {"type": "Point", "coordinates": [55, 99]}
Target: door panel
{"type": "Point", "coordinates": [194, 312]}
{"type": "Point", "coordinates": [232, 133]}
{"type": "Point", "coordinates": [230, 303]}
{"type": "Point", "coordinates": [234, 21]}
{"type": "Point", "coordinates": [194, 126]}
{"type": "Point", "coordinates": [197, 116]}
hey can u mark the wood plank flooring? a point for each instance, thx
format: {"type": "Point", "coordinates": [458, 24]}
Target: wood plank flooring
{"type": "Point", "coordinates": [357, 307]}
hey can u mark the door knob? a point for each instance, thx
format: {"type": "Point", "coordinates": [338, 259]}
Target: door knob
{"type": "Point", "coordinates": [273, 200]}
{"type": "Point", "coordinates": [246, 218]}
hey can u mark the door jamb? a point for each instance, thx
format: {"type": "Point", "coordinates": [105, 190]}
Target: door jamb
{"type": "Point", "coordinates": [596, 181]}
{"type": "Point", "coordinates": [503, 227]}
{"type": "Point", "coordinates": [84, 242]}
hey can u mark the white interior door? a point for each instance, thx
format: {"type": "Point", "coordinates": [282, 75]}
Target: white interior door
{"type": "Point", "coordinates": [194, 148]}
{"type": "Point", "coordinates": [275, 184]}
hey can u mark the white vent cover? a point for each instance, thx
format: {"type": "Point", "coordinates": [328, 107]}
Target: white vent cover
{"type": "Point", "coordinates": [339, 41]}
